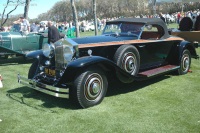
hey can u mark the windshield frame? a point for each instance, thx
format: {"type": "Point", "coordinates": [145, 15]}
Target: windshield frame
{"type": "Point", "coordinates": [124, 29]}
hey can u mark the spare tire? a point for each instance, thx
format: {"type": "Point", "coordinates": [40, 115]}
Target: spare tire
{"type": "Point", "coordinates": [127, 58]}
{"type": "Point", "coordinates": [197, 24]}
{"type": "Point", "coordinates": [186, 24]}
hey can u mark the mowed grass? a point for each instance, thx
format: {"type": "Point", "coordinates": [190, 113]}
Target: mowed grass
{"type": "Point", "coordinates": [168, 103]}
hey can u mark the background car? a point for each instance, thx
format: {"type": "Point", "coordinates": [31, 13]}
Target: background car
{"type": "Point", "coordinates": [87, 27]}
{"type": "Point", "coordinates": [17, 43]}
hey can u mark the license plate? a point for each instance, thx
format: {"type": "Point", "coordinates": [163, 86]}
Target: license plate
{"type": "Point", "coordinates": [50, 72]}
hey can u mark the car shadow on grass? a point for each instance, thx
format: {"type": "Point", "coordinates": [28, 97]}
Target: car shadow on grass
{"type": "Point", "coordinates": [15, 61]}
{"type": "Point", "coordinates": [116, 87]}
{"type": "Point", "coordinates": [50, 102]}
{"type": "Point", "coordinates": [47, 100]}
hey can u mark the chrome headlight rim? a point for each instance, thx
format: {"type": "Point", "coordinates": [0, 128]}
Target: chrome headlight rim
{"type": "Point", "coordinates": [48, 50]}
{"type": "Point", "coordinates": [68, 53]}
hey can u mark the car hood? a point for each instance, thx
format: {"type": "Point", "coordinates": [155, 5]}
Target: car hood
{"type": "Point", "coordinates": [100, 39]}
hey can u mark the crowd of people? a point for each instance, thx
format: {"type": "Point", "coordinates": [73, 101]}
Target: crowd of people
{"type": "Point", "coordinates": [167, 18]}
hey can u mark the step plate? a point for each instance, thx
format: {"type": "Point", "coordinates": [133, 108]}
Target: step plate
{"type": "Point", "coordinates": [158, 70]}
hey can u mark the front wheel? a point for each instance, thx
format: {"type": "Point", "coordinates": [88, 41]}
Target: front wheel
{"type": "Point", "coordinates": [91, 87]}
{"type": "Point", "coordinates": [33, 70]}
{"type": "Point", "coordinates": [185, 62]}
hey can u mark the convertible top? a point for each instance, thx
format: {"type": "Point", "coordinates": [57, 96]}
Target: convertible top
{"type": "Point", "coordinates": [139, 20]}
{"type": "Point", "coordinates": [147, 21]}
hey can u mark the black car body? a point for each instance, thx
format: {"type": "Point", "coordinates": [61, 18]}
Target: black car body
{"type": "Point", "coordinates": [129, 48]}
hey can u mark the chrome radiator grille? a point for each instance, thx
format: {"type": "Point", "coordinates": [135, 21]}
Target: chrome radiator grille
{"type": "Point", "coordinates": [60, 62]}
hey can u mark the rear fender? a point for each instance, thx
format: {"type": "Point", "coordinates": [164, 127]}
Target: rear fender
{"type": "Point", "coordinates": [187, 45]}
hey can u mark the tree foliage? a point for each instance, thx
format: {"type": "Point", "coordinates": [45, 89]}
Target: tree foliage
{"type": "Point", "coordinates": [13, 2]}
{"type": "Point", "coordinates": [62, 11]}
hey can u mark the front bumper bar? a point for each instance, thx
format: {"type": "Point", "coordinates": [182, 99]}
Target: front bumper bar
{"type": "Point", "coordinates": [47, 89]}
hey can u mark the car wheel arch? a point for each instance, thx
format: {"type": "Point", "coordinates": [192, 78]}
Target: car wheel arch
{"type": "Point", "coordinates": [77, 68]}
{"type": "Point", "coordinates": [186, 45]}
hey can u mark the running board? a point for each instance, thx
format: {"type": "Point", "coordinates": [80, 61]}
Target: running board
{"type": "Point", "coordinates": [157, 71]}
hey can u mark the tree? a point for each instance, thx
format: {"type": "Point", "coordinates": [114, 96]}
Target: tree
{"type": "Point", "coordinates": [16, 3]}
{"type": "Point", "coordinates": [26, 8]}
{"type": "Point", "coordinates": [95, 16]}
{"type": "Point", "coordinates": [75, 18]}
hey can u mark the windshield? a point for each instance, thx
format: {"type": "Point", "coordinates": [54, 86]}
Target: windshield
{"type": "Point", "coordinates": [123, 29]}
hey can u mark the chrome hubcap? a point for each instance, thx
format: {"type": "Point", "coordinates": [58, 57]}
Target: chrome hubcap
{"type": "Point", "coordinates": [93, 86]}
{"type": "Point", "coordinates": [129, 63]}
{"type": "Point", "coordinates": [186, 63]}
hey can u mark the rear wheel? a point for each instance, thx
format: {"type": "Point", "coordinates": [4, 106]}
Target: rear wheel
{"type": "Point", "coordinates": [185, 62]}
{"type": "Point", "coordinates": [91, 87]}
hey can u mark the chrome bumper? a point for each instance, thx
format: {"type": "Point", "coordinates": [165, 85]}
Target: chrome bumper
{"type": "Point", "coordinates": [47, 89]}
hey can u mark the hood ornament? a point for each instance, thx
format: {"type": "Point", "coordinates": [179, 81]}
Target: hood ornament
{"type": "Point", "coordinates": [90, 52]}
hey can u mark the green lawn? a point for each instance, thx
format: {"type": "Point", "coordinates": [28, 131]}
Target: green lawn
{"type": "Point", "coordinates": [168, 103]}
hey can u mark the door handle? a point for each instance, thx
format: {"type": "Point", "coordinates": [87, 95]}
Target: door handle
{"type": "Point", "coordinates": [141, 46]}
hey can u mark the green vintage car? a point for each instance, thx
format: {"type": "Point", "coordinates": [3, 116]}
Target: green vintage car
{"type": "Point", "coordinates": [19, 44]}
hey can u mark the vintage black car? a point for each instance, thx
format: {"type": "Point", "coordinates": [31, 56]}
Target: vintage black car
{"type": "Point", "coordinates": [129, 48]}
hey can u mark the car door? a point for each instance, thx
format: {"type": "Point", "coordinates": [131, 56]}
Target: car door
{"type": "Point", "coordinates": [154, 50]}
{"type": "Point", "coordinates": [32, 41]}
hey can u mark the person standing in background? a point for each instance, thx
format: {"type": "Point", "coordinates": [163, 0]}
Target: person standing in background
{"type": "Point", "coordinates": [25, 25]}
{"type": "Point", "coordinates": [53, 34]}
{"type": "Point", "coordinates": [178, 17]}
{"type": "Point", "coordinates": [34, 27]}
{"type": "Point", "coordinates": [162, 17]}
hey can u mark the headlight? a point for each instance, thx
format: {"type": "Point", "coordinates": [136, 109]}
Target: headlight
{"type": "Point", "coordinates": [68, 53]}
{"type": "Point", "coordinates": [48, 50]}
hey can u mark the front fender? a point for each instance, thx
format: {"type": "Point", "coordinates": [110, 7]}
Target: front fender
{"type": "Point", "coordinates": [34, 54]}
{"type": "Point", "coordinates": [78, 66]}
